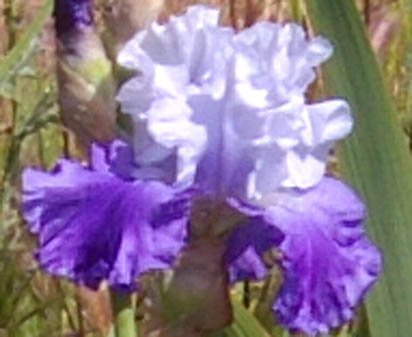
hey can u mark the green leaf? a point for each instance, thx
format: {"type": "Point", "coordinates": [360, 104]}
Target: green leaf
{"type": "Point", "coordinates": [123, 312]}
{"type": "Point", "coordinates": [18, 55]}
{"type": "Point", "coordinates": [244, 324]}
{"type": "Point", "coordinates": [375, 159]}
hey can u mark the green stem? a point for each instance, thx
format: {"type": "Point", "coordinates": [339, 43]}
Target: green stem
{"type": "Point", "coordinates": [296, 10]}
{"type": "Point", "coordinates": [123, 315]}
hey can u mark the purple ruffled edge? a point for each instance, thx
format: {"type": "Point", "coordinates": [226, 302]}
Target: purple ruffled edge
{"type": "Point", "coordinates": [93, 225]}
{"type": "Point", "coordinates": [328, 263]}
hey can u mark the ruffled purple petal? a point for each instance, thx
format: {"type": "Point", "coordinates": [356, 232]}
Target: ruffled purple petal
{"type": "Point", "coordinates": [328, 264]}
{"type": "Point", "coordinates": [92, 226]}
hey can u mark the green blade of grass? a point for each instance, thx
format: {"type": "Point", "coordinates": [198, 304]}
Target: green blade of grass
{"type": "Point", "coordinates": [245, 324]}
{"type": "Point", "coordinates": [374, 159]}
{"type": "Point", "coordinates": [16, 57]}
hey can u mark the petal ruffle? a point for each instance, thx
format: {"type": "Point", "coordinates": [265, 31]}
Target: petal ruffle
{"type": "Point", "coordinates": [228, 109]}
{"type": "Point", "coordinates": [92, 226]}
{"type": "Point", "coordinates": [328, 264]}
{"type": "Point", "coordinates": [182, 58]}
{"type": "Point", "coordinates": [283, 55]}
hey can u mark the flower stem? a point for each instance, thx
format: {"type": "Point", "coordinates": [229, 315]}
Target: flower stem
{"type": "Point", "coordinates": [123, 315]}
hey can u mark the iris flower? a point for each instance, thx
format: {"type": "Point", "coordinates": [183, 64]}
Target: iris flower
{"type": "Point", "coordinates": [220, 115]}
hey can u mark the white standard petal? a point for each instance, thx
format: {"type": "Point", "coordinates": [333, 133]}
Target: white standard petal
{"type": "Point", "coordinates": [304, 168]}
{"type": "Point", "coordinates": [174, 61]}
{"type": "Point", "coordinates": [285, 56]}
{"type": "Point", "coordinates": [169, 124]}
{"type": "Point", "coordinates": [228, 110]}
{"type": "Point", "coordinates": [331, 120]}
{"type": "Point", "coordinates": [325, 123]}
{"type": "Point", "coordinates": [290, 145]}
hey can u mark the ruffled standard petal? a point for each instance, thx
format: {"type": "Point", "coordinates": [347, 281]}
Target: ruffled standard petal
{"type": "Point", "coordinates": [325, 123]}
{"type": "Point", "coordinates": [228, 109]}
{"type": "Point", "coordinates": [93, 226]}
{"type": "Point", "coordinates": [170, 125]}
{"type": "Point", "coordinates": [283, 57]}
{"type": "Point", "coordinates": [173, 59]}
{"type": "Point", "coordinates": [175, 63]}
{"type": "Point", "coordinates": [290, 144]}
{"type": "Point", "coordinates": [329, 264]}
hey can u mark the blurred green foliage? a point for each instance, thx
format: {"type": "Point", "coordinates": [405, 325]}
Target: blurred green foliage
{"type": "Point", "coordinates": [30, 304]}
{"type": "Point", "coordinates": [375, 159]}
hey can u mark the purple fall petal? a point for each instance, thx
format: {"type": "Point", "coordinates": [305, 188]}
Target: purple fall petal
{"type": "Point", "coordinates": [93, 226]}
{"type": "Point", "coordinates": [329, 264]}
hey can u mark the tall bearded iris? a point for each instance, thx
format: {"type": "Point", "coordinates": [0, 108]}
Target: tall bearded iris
{"type": "Point", "coordinates": [220, 116]}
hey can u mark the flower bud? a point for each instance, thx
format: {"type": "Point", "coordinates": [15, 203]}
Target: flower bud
{"type": "Point", "coordinates": [86, 87]}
